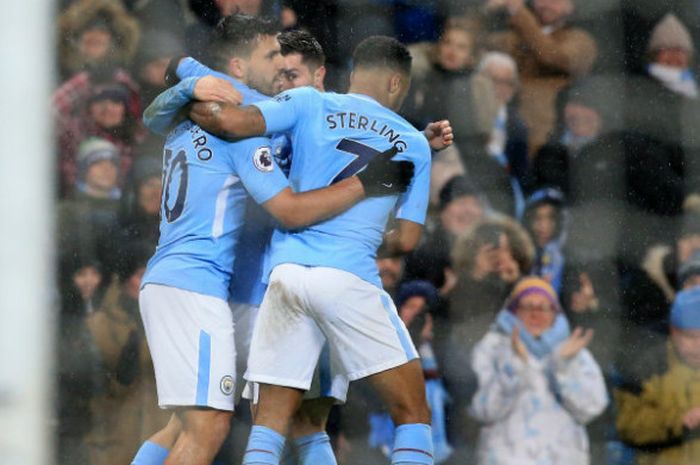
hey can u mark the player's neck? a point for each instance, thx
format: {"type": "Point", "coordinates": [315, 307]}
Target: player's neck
{"type": "Point", "coordinates": [371, 90]}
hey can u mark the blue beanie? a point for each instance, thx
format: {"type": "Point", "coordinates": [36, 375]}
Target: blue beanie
{"type": "Point", "coordinates": [685, 312]}
{"type": "Point", "coordinates": [415, 288]}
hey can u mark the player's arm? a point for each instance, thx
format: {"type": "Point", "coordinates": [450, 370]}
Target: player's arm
{"type": "Point", "coordinates": [228, 121]}
{"type": "Point", "coordinates": [405, 237]}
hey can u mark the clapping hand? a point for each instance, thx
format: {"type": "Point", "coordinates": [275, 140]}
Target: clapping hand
{"type": "Point", "coordinates": [579, 339]}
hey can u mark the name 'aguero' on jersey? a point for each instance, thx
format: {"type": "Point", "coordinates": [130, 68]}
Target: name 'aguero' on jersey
{"type": "Point", "coordinates": [206, 181]}
{"type": "Point", "coordinates": [333, 137]}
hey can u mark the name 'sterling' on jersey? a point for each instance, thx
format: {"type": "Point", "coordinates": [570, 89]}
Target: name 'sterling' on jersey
{"type": "Point", "coordinates": [351, 120]}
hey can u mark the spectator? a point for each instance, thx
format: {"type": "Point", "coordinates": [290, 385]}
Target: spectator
{"type": "Point", "coordinates": [140, 211]}
{"type": "Point", "coordinates": [84, 107]}
{"type": "Point", "coordinates": [550, 52]}
{"type": "Point", "coordinates": [96, 36]}
{"type": "Point", "coordinates": [689, 272]}
{"type": "Point", "coordinates": [487, 261]}
{"type": "Point", "coordinates": [508, 140]}
{"type": "Point", "coordinates": [127, 412]}
{"type": "Point", "coordinates": [78, 362]}
{"type": "Point", "coordinates": [208, 13]}
{"type": "Point", "coordinates": [545, 219]}
{"type": "Point", "coordinates": [89, 220]}
{"type": "Point", "coordinates": [391, 269]}
{"type": "Point", "coordinates": [460, 208]}
{"type": "Point", "coordinates": [658, 397]}
{"type": "Point", "coordinates": [155, 51]}
{"type": "Point", "coordinates": [538, 385]}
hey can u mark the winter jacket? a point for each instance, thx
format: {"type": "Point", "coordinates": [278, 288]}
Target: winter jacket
{"type": "Point", "coordinates": [127, 412]}
{"type": "Point", "coordinates": [534, 412]}
{"type": "Point", "coordinates": [547, 63]}
{"type": "Point", "coordinates": [652, 399]}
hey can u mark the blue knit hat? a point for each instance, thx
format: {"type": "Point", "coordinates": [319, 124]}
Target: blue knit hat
{"type": "Point", "coordinates": [415, 288]}
{"type": "Point", "coordinates": [685, 312]}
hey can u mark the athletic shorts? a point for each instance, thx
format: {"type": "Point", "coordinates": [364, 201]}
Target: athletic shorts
{"type": "Point", "coordinates": [305, 307]}
{"type": "Point", "coordinates": [191, 340]}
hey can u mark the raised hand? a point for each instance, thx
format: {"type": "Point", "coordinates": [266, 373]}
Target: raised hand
{"type": "Point", "coordinates": [519, 348]}
{"type": "Point", "coordinates": [384, 176]}
{"type": "Point", "coordinates": [579, 339]}
{"type": "Point", "coordinates": [214, 89]}
{"type": "Point", "coordinates": [439, 134]}
{"type": "Point", "coordinates": [584, 299]}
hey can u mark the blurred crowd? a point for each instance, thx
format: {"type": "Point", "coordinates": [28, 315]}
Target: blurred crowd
{"type": "Point", "coordinates": [555, 296]}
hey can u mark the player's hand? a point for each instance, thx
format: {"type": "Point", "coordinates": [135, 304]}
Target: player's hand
{"type": "Point", "coordinates": [579, 339]}
{"type": "Point", "coordinates": [384, 176]}
{"type": "Point", "coordinates": [214, 89]}
{"type": "Point", "coordinates": [439, 134]}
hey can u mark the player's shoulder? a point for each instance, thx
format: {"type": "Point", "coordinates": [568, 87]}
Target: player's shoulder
{"type": "Point", "coordinates": [304, 94]}
{"type": "Point", "coordinates": [256, 151]}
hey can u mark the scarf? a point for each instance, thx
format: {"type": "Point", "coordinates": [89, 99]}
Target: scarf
{"type": "Point", "coordinates": [680, 81]}
{"type": "Point", "coordinates": [537, 346]}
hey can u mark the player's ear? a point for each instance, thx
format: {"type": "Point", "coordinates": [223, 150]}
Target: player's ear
{"type": "Point", "coordinates": [319, 77]}
{"type": "Point", "coordinates": [236, 67]}
{"type": "Point", "coordinates": [395, 83]}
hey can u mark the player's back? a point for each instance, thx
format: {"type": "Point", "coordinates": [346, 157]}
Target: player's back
{"type": "Point", "coordinates": [336, 137]}
{"type": "Point", "coordinates": [202, 211]}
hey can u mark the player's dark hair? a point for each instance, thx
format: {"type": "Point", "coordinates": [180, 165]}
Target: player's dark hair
{"type": "Point", "coordinates": [305, 44]}
{"type": "Point", "coordinates": [382, 52]}
{"type": "Point", "coordinates": [237, 35]}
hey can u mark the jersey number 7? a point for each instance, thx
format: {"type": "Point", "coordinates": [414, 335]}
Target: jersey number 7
{"type": "Point", "coordinates": [363, 154]}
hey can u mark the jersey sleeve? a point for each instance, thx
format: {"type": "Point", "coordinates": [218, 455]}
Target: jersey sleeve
{"type": "Point", "coordinates": [284, 111]}
{"type": "Point", "coordinates": [257, 169]}
{"type": "Point", "coordinates": [163, 112]}
{"type": "Point", "coordinates": [413, 204]}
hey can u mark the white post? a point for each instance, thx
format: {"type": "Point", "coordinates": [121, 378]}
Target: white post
{"type": "Point", "coordinates": [26, 231]}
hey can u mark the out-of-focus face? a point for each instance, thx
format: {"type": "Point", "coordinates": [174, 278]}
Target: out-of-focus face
{"type": "Point", "coordinates": [390, 271]}
{"type": "Point", "coordinates": [410, 309]}
{"type": "Point", "coordinates": [87, 279]}
{"type": "Point", "coordinates": [153, 72]}
{"type": "Point", "coordinates": [107, 114]}
{"type": "Point", "coordinates": [133, 283]}
{"type": "Point", "coordinates": [544, 224]}
{"type": "Point", "coordinates": [94, 44]}
{"type": "Point", "coordinates": [504, 82]}
{"type": "Point", "coordinates": [227, 7]}
{"type": "Point", "coordinates": [551, 12]}
{"type": "Point", "coordinates": [265, 65]}
{"type": "Point", "coordinates": [455, 50]}
{"type": "Point", "coordinates": [687, 344]}
{"type": "Point", "coordinates": [691, 281]}
{"type": "Point", "coordinates": [149, 195]}
{"type": "Point", "coordinates": [536, 312]}
{"type": "Point", "coordinates": [686, 245]}
{"type": "Point", "coordinates": [102, 175]}
{"type": "Point", "coordinates": [581, 120]}
{"type": "Point", "coordinates": [461, 214]}
{"type": "Point", "coordinates": [295, 73]}
{"type": "Point", "coordinates": [673, 57]}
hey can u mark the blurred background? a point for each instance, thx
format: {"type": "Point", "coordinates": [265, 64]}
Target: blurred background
{"type": "Point", "coordinates": [576, 159]}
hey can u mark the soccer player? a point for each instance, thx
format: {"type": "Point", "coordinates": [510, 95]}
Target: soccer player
{"type": "Point", "coordinates": [324, 283]}
{"type": "Point", "coordinates": [186, 286]}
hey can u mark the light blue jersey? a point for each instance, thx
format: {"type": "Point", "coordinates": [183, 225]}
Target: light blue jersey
{"type": "Point", "coordinates": [206, 182]}
{"type": "Point", "coordinates": [247, 285]}
{"type": "Point", "coordinates": [333, 137]}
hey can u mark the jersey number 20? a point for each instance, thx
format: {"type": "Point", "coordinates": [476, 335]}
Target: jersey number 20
{"type": "Point", "coordinates": [171, 166]}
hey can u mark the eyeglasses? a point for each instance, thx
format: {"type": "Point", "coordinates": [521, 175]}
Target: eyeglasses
{"type": "Point", "coordinates": [542, 308]}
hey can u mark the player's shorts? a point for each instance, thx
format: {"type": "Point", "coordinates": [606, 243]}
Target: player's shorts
{"type": "Point", "coordinates": [190, 337]}
{"type": "Point", "coordinates": [244, 316]}
{"type": "Point", "coordinates": [306, 306]}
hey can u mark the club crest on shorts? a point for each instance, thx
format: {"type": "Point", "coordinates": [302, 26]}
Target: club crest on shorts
{"type": "Point", "coordinates": [262, 159]}
{"type": "Point", "coordinates": [226, 385]}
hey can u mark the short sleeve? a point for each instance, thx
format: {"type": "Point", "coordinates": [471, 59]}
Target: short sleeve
{"type": "Point", "coordinates": [284, 111]}
{"type": "Point", "coordinates": [257, 169]}
{"type": "Point", "coordinates": [413, 204]}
